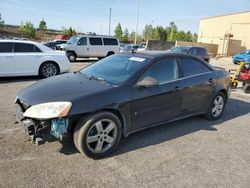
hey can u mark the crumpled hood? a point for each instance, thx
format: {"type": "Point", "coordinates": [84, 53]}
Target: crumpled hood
{"type": "Point", "coordinates": [65, 87]}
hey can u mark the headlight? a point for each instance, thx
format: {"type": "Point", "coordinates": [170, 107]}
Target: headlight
{"type": "Point", "coordinates": [48, 110]}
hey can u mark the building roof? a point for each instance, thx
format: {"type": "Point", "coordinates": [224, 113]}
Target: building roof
{"type": "Point", "coordinates": [243, 12]}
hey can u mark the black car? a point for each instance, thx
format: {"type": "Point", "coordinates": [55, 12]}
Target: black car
{"type": "Point", "coordinates": [119, 95]}
{"type": "Point", "coordinates": [53, 44]}
{"type": "Point", "coordinates": [200, 52]}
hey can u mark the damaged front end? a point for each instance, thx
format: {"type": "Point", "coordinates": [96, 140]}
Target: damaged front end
{"type": "Point", "coordinates": [39, 129]}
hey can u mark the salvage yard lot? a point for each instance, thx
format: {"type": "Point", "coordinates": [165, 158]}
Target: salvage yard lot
{"type": "Point", "coordinates": [193, 152]}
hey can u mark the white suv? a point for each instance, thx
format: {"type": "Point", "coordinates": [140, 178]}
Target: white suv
{"type": "Point", "coordinates": [23, 58]}
{"type": "Point", "coordinates": [90, 46]}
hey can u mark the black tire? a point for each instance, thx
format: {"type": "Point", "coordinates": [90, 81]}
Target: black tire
{"type": "Point", "coordinates": [210, 114]}
{"type": "Point", "coordinates": [86, 129]}
{"type": "Point", "coordinates": [243, 84]}
{"type": "Point", "coordinates": [109, 54]}
{"type": "Point", "coordinates": [71, 57]}
{"type": "Point", "coordinates": [246, 88]}
{"type": "Point", "coordinates": [233, 85]}
{"type": "Point", "coordinates": [48, 69]}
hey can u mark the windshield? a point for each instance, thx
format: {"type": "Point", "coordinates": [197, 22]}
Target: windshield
{"type": "Point", "coordinates": [180, 49]}
{"type": "Point", "coordinates": [72, 40]}
{"type": "Point", "coordinates": [115, 69]}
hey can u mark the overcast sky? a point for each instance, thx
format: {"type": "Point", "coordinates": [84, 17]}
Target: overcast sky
{"type": "Point", "coordinates": [93, 16]}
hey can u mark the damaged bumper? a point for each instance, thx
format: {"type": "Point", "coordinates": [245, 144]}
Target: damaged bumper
{"type": "Point", "coordinates": [40, 130]}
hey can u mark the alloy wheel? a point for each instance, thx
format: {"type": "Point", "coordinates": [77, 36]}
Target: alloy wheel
{"type": "Point", "coordinates": [218, 105]}
{"type": "Point", "coordinates": [101, 136]}
{"type": "Point", "coordinates": [49, 70]}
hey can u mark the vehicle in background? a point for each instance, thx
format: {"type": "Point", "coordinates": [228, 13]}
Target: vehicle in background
{"type": "Point", "coordinates": [90, 46]}
{"type": "Point", "coordinates": [119, 95]}
{"type": "Point", "coordinates": [197, 51]}
{"type": "Point", "coordinates": [240, 57]}
{"type": "Point", "coordinates": [53, 44]}
{"type": "Point", "coordinates": [130, 48]}
{"type": "Point", "coordinates": [27, 58]}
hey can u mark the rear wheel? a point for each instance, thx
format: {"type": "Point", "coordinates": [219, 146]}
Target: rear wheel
{"type": "Point", "coordinates": [216, 107]}
{"type": "Point", "coordinates": [98, 135]}
{"type": "Point", "coordinates": [246, 88]}
{"type": "Point", "coordinates": [109, 54]}
{"type": "Point", "coordinates": [48, 69]}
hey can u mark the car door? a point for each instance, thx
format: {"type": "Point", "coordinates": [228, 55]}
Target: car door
{"type": "Point", "coordinates": [7, 65]}
{"type": "Point", "coordinates": [161, 103]}
{"type": "Point", "coordinates": [198, 83]}
{"type": "Point", "coordinates": [96, 48]}
{"type": "Point", "coordinates": [82, 48]}
{"type": "Point", "coordinates": [28, 58]}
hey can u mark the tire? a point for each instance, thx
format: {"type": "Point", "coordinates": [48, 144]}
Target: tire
{"type": "Point", "coordinates": [48, 69]}
{"type": "Point", "coordinates": [72, 57]}
{"type": "Point", "coordinates": [98, 135]}
{"type": "Point", "coordinates": [233, 85]}
{"type": "Point", "coordinates": [243, 84]}
{"type": "Point", "coordinates": [109, 54]}
{"type": "Point", "coordinates": [216, 107]}
{"type": "Point", "coordinates": [246, 88]}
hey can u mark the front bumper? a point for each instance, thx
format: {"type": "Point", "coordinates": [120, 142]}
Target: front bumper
{"type": "Point", "coordinates": [39, 131]}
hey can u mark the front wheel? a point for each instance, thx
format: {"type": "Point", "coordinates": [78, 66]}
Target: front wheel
{"type": "Point", "coordinates": [72, 57]}
{"type": "Point", "coordinates": [98, 135]}
{"type": "Point", "coordinates": [216, 107]}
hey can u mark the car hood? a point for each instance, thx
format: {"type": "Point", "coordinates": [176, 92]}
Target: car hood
{"type": "Point", "coordinates": [66, 87]}
{"type": "Point", "coordinates": [239, 56]}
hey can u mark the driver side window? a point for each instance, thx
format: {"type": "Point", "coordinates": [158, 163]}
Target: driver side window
{"type": "Point", "coordinates": [82, 41]}
{"type": "Point", "coordinates": [165, 70]}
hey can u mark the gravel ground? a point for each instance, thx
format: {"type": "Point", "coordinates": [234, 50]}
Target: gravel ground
{"type": "Point", "coordinates": [192, 152]}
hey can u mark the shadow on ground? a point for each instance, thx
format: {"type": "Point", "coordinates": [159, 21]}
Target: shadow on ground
{"type": "Point", "coordinates": [5, 80]}
{"type": "Point", "coordinates": [152, 136]}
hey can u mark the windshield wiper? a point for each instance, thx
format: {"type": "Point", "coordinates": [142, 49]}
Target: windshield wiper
{"type": "Point", "coordinates": [99, 79]}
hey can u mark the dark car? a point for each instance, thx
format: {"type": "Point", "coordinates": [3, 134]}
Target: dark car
{"type": "Point", "coordinates": [119, 95]}
{"type": "Point", "coordinates": [200, 52]}
{"type": "Point", "coordinates": [53, 44]}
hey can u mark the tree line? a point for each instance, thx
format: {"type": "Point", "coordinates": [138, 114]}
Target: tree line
{"type": "Point", "coordinates": [150, 32]}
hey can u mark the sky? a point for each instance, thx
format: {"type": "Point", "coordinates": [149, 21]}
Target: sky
{"type": "Point", "coordinates": [93, 16]}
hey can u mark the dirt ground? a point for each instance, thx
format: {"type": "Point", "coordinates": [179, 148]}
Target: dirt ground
{"type": "Point", "coordinates": [193, 152]}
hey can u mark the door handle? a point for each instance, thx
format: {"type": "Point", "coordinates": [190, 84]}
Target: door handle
{"type": "Point", "coordinates": [211, 81]}
{"type": "Point", "coordinates": [177, 88]}
{"type": "Point", "coordinates": [8, 56]}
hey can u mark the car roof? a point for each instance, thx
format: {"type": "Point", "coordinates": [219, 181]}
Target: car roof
{"type": "Point", "coordinates": [159, 54]}
{"type": "Point", "coordinates": [19, 41]}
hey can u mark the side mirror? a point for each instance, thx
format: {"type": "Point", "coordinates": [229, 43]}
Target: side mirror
{"type": "Point", "coordinates": [148, 82]}
{"type": "Point", "coordinates": [78, 43]}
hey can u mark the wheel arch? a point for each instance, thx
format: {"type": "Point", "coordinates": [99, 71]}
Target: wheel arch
{"type": "Point", "coordinates": [116, 112]}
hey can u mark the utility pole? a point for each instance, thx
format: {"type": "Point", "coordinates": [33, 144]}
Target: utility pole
{"type": "Point", "coordinates": [137, 20]}
{"type": "Point", "coordinates": [110, 10]}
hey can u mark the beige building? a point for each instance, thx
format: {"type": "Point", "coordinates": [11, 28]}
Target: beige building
{"type": "Point", "coordinates": [231, 32]}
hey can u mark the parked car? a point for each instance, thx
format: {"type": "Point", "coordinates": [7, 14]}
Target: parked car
{"type": "Point", "coordinates": [90, 46]}
{"type": "Point", "coordinates": [23, 58]}
{"type": "Point", "coordinates": [240, 57]}
{"type": "Point", "coordinates": [53, 44]}
{"type": "Point", "coordinates": [130, 48]}
{"type": "Point", "coordinates": [119, 95]}
{"type": "Point", "coordinates": [200, 52]}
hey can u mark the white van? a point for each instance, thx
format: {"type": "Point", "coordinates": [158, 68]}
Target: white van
{"type": "Point", "coordinates": [90, 46]}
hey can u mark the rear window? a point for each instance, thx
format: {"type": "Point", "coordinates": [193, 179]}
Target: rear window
{"type": "Point", "coordinates": [192, 67]}
{"type": "Point", "coordinates": [22, 47]}
{"type": "Point", "coordinates": [95, 41]}
{"type": "Point", "coordinates": [202, 51]}
{"type": "Point", "coordinates": [6, 47]}
{"type": "Point", "coordinates": [109, 41]}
